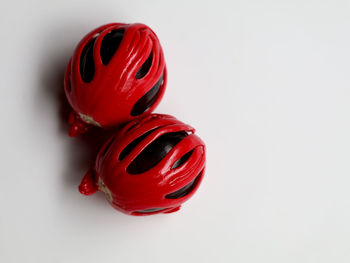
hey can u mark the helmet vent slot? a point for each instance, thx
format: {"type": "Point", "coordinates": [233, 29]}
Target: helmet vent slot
{"type": "Point", "coordinates": [186, 189]}
{"type": "Point", "coordinates": [182, 160]}
{"type": "Point", "coordinates": [149, 210]}
{"type": "Point", "coordinates": [87, 67]}
{"type": "Point", "coordinates": [69, 86]}
{"type": "Point", "coordinates": [145, 67]}
{"type": "Point", "coordinates": [132, 126]}
{"type": "Point", "coordinates": [147, 100]}
{"type": "Point", "coordinates": [110, 45]}
{"type": "Point", "coordinates": [155, 152]}
{"type": "Point", "coordinates": [133, 144]}
{"type": "Point", "coordinates": [108, 146]}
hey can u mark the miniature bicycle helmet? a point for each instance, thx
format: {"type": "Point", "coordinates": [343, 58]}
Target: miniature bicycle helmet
{"type": "Point", "coordinates": [152, 166]}
{"type": "Point", "coordinates": [117, 73]}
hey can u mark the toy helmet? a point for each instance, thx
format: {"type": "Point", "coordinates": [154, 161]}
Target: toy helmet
{"type": "Point", "coordinates": [117, 73]}
{"type": "Point", "coordinates": [152, 166]}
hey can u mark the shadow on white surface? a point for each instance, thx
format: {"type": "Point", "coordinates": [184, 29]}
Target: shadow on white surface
{"type": "Point", "coordinates": [79, 153]}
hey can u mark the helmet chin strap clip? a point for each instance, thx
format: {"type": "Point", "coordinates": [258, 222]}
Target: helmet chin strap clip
{"type": "Point", "coordinates": [77, 125]}
{"type": "Point", "coordinates": [88, 185]}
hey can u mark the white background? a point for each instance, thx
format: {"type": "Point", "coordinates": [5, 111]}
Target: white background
{"type": "Point", "coordinates": [266, 84]}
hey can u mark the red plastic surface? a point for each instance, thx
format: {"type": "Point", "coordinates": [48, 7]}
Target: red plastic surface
{"type": "Point", "coordinates": [87, 185]}
{"type": "Point", "coordinates": [108, 99]}
{"type": "Point", "coordinates": [134, 193]}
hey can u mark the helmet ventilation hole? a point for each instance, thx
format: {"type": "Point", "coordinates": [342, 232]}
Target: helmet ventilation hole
{"type": "Point", "coordinates": [145, 67]}
{"type": "Point", "coordinates": [110, 45]}
{"type": "Point", "coordinates": [186, 189]}
{"type": "Point", "coordinates": [155, 152]}
{"type": "Point", "coordinates": [132, 126]}
{"type": "Point", "coordinates": [69, 87]}
{"type": "Point", "coordinates": [133, 144]}
{"type": "Point", "coordinates": [182, 160]}
{"type": "Point", "coordinates": [108, 145]}
{"type": "Point", "coordinates": [147, 100]}
{"type": "Point", "coordinates": [149, 210]}
{"type": "Point", "coordinates": [87, 67]}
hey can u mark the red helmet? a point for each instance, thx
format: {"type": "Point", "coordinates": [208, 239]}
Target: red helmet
{"type": "Point", "coordinates": [117, 72]}
{"type": "Point", "coordinates": [152, 166]}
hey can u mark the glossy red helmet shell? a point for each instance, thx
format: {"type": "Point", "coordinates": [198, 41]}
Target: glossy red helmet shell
{"type": "Point", "coordinates": [117, 73]}
{"type": "Point", "coordinates": [152, 166]}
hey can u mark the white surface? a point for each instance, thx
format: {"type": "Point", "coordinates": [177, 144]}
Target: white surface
{"type": "Point", "coordinates": [266, 84]}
